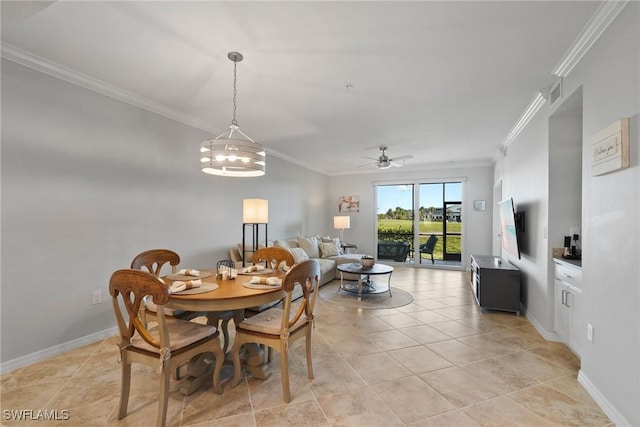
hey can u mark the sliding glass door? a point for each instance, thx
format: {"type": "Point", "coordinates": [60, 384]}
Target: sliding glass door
{"type": "Point", "coordinates": [428, 235]}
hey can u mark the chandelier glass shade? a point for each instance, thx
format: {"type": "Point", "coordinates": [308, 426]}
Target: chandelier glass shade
{"type": "Point", "coordinates": [233, 153]}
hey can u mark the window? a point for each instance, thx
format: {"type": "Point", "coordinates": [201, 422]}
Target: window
{"type": "Point", "coordinates": [401, 228]}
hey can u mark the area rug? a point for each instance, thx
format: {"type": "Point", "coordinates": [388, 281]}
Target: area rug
{"type": "Point", "coordinates": [330, 293]}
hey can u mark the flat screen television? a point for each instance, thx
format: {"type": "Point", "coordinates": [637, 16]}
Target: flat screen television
{"type": "Point", "coordinates": [511, 226]}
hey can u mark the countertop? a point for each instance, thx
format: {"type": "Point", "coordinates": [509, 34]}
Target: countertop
{"type": "Point", "coordinates": [570, 262]}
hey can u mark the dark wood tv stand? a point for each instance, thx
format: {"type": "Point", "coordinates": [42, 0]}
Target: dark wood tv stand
{"type": "Point", "coordinates": [495, 283]}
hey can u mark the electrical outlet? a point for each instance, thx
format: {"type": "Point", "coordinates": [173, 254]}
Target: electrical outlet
{"type": "Point", "coordinates": [590, 332]}
{"type": "Point", "coordinates": [96, 297]}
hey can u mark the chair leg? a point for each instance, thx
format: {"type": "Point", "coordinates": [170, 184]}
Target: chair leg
{"type": "Point", "coordinates": [164, 395]}
{"type": "Point", "coordinates": [284, 367]}
{"type": "Point", "coordinates": [309, 362]}
{"type": "Point", "coordinates": [432, 261]}
{"type": "Point", "coordinates": [125, 386]}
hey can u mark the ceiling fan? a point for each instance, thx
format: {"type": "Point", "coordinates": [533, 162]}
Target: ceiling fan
{"type": "Point", "coordinates": [385, 162]}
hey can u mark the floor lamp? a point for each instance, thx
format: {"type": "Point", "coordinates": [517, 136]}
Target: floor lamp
{"type": "Point", "coordinates": [254, 213]}
{"type": "Point", "coordinates": [340, 222]}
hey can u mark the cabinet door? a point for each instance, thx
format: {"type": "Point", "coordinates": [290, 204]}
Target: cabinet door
{"type": "Point", "coordinates": [574, 328]}
{"type": "Point", "coordinates": [561, 311]}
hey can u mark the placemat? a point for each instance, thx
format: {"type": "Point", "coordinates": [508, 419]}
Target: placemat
{"type": "Point", "coordinates": [206, 287]}
{"type": "Point", "coordinates": [260, 286]}
{"type": "Point", "coordinates": [256, 273]}
{"type": "Point", "coordinates": [203, 275]}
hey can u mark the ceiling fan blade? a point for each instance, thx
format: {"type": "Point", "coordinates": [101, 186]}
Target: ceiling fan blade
{"type": "Point", "coordinates": [407, 157]}
{"type": "Point", "coordinates": [370, 158]}
{"type": "Point", "coordinates": [366, 165]}
{"type": "Point", "coordinates": [396, 164]}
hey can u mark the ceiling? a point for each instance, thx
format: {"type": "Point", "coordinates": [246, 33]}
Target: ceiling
{"type": "Point", "coordinates": [322, 83]}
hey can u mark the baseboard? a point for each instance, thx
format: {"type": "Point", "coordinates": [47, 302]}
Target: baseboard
{"type": "Point", "coordinates": [41, 355]}
{"type": "Point", "coordinates": [614, 415]}
{"type": "Point", "coordinates": [547, 335]}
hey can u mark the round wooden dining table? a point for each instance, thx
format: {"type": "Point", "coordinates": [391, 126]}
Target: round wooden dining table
{"type": "Point", "coordinates": [230, 295]}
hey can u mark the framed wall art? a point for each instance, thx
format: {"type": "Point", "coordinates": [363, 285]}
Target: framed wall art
{"type": "Point", "coordinates": [610, 148]}
{"type": "Point", "coordinates": [348, 204]}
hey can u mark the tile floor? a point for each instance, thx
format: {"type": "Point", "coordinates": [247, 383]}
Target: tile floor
{"type": "Point", "coordinates": [439, 361]}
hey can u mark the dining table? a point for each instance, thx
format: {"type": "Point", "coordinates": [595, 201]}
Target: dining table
{"type": "Point", "coordinates": [235, 295]}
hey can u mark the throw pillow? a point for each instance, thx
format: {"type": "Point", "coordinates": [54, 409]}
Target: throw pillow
{"type": "Point", "coordinates": [328, 249]}
{"type": "Point", "coordinates": [310, 246]}
{"type": "Point", "coordinates": [299, 255]}
{"type": "Point", "coordinates": [336, 241]}
{"type": "Point", "coordinates": [281, 244]}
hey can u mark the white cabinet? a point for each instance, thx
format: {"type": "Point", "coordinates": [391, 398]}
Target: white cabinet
{"type": "Point", "coordinates": [568, 292]}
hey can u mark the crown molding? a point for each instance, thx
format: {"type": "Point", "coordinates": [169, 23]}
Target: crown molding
{"type": "Point", "coordinates": [38, 63]}
{"type": "Point", "coordinates": [534, 106]}
{"type": "Point", "coordinates": [598, 23]}
{"type": "Point", "coordinates": [604, 15]}
{"type": "Point", "coordinates": [418, 167]}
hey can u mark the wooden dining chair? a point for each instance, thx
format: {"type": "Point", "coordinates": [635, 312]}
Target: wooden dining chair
{"type": "Point", "coordinates": [273, 257]}
{"type": "Point", "coordinates": [164, 346]}
{"type": "Point", "coordinates": [279, 327]}
{"type": "Point", "coordinates": [153, 260]}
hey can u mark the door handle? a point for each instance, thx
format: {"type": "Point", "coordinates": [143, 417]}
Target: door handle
{"type": "Point", "coordinates": [564, 296]}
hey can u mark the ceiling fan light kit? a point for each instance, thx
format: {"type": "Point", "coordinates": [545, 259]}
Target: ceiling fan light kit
{"type": "Point", "coordinates": [385, 162]}
{"type": "Point", "coordinates": [233, 153]}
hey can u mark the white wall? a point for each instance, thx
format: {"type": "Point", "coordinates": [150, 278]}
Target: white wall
{"type": "Point", "coordinates": [609, 77]}
{"type": "Point", "coordinates": [88, 182]}
{"type": "Point", "coordinates": [525, 178]}
{"type": "Point", "coordinates": [478, 185]}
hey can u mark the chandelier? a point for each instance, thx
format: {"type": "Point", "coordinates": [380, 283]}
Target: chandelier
{"type": "Point", "coordinates": [233, 153]}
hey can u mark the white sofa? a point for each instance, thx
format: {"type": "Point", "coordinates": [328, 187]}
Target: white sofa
{"type": "Point", "coordinates": [328, 261]}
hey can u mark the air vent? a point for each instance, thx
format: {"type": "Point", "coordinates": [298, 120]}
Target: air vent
{"type": "Point", "coordinates": [556, 93]}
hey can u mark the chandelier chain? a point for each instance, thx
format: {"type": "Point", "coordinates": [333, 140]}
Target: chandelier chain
{"type": "Point", "coordinates": [235, 94]}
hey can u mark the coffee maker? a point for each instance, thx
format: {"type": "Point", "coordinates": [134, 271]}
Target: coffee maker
{"type": "Point", "coordinates": [571, 250]}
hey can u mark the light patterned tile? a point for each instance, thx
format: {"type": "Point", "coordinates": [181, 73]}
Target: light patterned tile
{"type": "Point", "coordinates": [460, 388]}
{"type": "Point", "coordinates": [559, 408]}
{"type": "Point", "coordinates": [297, 414]}
{"type": "Point", "coordinates": [419, 359]}
{"type": "Point", "coordinates": [496, 374]}
{"type": "Point", "coordinates": [378, 367]}
{"type": "Point", "coordinates": [401, 320]}
{"type": "Point", "coordinates": [449, 419]}
{"type": "Point", "coordinates": [424, 334]}
{"type": "Point", "coordinates": [456, 352]}
{"type": "Point", "coordinates": [455, 329]}
{"type": "Point", "coordinates": [504, 412]}
{"type": "Point", "coordinates": [391, 340]}
{"type": "Point", "coordinates": [357, 407]}
{"type": "Point", "coordinates": [411, 399]}
{"type": "Point", "coordinates": [334, 377]}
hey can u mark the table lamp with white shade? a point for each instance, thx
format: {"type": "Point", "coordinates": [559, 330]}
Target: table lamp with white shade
{"type": "Point", "coordinates": [340, 222]}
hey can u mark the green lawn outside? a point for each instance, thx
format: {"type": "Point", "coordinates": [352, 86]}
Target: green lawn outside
{"type": "Point", "coordinates": [425, 226]}
{"type": "Point", "coordinates": [401, 230]}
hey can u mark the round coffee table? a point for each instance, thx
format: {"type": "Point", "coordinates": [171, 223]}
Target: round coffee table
{"type": "Point", "coordinates": [366, 285]}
